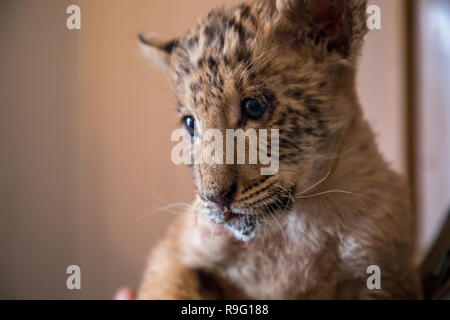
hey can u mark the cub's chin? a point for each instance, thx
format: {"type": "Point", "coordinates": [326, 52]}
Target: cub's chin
{"type": "Point", "coordinates": [262, 222]}
{"type": "Point", "coordinates": [246, 223]}
{"type": "Point", "coordinates": [246, 227]}
{"type": "Point", "coordinates": [243, 226]}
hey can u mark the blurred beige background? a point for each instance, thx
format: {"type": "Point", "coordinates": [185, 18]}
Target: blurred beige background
{"type": "Point", "coordinates": [85, 127]}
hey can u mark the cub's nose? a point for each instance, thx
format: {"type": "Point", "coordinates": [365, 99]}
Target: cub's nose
{"type": "Point", "coordinates": [223, 197]}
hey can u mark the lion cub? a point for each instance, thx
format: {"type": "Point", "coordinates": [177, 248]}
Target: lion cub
{"type": "Point", "coordinates": [334, 208]}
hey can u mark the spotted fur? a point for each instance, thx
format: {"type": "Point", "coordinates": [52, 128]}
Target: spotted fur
{"type": "Point", "coordinates": [285, 239]}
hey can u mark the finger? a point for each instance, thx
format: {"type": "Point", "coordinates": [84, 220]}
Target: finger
{"type": "Point", "coordinates": [125, 293]}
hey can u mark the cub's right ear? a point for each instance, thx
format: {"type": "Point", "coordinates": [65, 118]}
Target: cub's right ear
{"type": "Point", "coordinates": [336, 25]}
{"type": "Point", "coordinates": [156, 49]}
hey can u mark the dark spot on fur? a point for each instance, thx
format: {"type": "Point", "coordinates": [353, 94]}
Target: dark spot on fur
{"type": "Point", "coordinates": [245, 11]}
{"type": "Point", "coordinates": [294, 93]}
{"type": "Point", "coordinates": [212, 64]}
{"type": "Point", "coordinates": [194, 87]}
{"type": "Point", "coordinates": [200, 62]}
{"type": "Point", "coordinates": [193, 41]}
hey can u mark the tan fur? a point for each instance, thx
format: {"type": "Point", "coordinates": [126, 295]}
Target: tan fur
{"type": "Point", "coordinates": [318, 245]}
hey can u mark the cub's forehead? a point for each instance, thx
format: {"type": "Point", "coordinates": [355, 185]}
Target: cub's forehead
{"type": "Point", "coordinates": [224, 32]}
{"type": "Point", "coordinates": [216, 53]}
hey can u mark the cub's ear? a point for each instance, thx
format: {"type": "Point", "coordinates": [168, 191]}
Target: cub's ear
{"type": "Point", "coordinates": [337, 25]}
{"type": "Point", "coordinates": [157, 49]}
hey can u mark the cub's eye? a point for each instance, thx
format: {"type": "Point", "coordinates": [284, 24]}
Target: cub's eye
{"type": "Point", "coordinates": [189, 124]}
{"type": "Point", "coordinates": [254, 109]}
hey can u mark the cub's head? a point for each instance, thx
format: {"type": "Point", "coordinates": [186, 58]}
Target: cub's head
{"type": "Point", "coordinates": [285, 65]}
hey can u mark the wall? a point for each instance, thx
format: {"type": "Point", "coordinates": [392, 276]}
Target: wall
{"type": "Point", "coordinates": [433, 115]}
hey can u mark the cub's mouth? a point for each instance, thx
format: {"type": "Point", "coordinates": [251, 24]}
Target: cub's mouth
{"type": "Point", "coordinates": [245, 222]}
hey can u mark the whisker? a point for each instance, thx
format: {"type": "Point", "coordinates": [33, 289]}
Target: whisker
{"type": "Point", "coordinates": [167, 208]}
{"type": "Point", "coordinates": [329, 191]}
{"type": "Point", "coordinates": [317, 183]}
{"type": "Point", "coordinates": [286, 192]}
{"type": "Point", "coordinates": [281, 228]}
{"type": "Point", "coordinates": [163, 209]}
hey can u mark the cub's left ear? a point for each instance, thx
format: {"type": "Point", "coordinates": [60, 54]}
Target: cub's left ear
{"type": "Point", "coordinates": [157, 49]}
{"type": "Point", "coordinates": [337, 25]}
